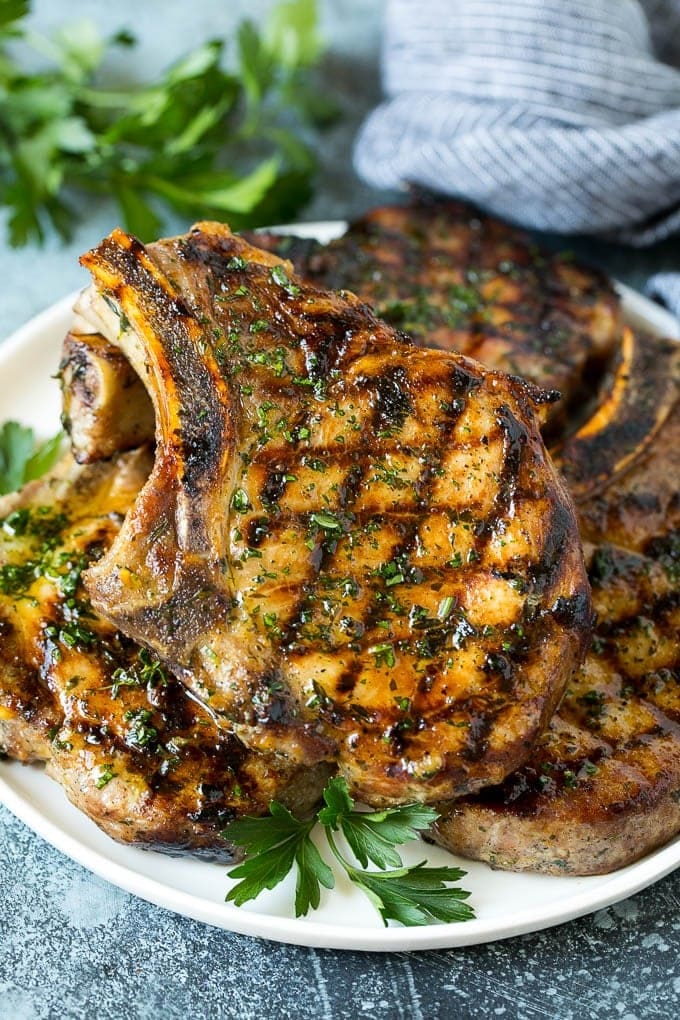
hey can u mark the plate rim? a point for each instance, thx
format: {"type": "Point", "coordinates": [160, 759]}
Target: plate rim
{"type": "Point", "coordinates": [608, 890]}
{"type": "Point", "coordinates": [613, 888]}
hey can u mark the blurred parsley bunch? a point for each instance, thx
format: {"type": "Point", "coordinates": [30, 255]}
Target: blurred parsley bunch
{"type": "Point", "coordinates": [204, 140]}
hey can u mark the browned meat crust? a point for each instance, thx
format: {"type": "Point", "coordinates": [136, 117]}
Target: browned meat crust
{"type": "Point", "coordinates": [132, 751]}
{"type": "Point", "coordinates": [456, 279]}
{"type": "Point", "coordinates": [602, 788]}
{"type": "Point", "coordinates": [349, 548]}
{"type": "Point", "coordinates": [448, 275]}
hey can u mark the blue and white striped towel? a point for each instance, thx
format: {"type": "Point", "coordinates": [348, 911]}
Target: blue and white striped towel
{"type": "Point", "coordinates": [562, 115]}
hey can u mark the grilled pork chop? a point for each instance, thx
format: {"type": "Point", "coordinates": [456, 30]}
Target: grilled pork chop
{"type": "Point", "coordinates": [131, 749]}
{"type": "Point", "coordinates": [602, 788]}
{"type": "Point", "coordinates": [350, 549]}
{"type": "Point", "coordinates": [456, 279]}
{"type": "Point", "coordinates": [450, 276]}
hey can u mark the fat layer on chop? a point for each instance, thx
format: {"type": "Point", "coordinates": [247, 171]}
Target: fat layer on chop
{"type": "Point", "coordinates": [350, 549]}
{"type": "Point", "coordinates": [130, 747]}
{"type": "Point", "coordinates": [602, 787]}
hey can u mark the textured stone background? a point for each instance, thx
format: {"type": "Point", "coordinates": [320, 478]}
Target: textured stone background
{"type": "Point", "coordinates": [72, 946]}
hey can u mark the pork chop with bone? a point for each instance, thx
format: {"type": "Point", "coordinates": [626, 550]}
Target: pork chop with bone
{"type": "Point", "coordinates": [350, 549]}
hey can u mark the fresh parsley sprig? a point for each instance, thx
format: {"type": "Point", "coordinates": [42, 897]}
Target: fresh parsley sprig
{"type": "Point", "coordinates": [21, 459]}
{"type": "Point", "coordinates": [201, 139]}
{"type": "Point", "coordinates": [411, 895]}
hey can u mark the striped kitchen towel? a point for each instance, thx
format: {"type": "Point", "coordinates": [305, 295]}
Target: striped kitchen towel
{"type": "Point", "coordinates": [561, 115]}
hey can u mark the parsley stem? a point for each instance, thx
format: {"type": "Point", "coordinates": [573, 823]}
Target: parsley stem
{"type": "Point", "coordinates": [334, 848]}
{"type": "Point", "coordinates": [349, 870]}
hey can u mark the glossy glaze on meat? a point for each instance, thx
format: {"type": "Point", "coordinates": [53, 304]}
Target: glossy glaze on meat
{"type": "Point", "coordinates": [350, 549]}
{"type": "Point", "coordinates": [448, 275]}
{"type": "Point", "coordinates": [602, 788]}
{"type": "Point", "coordinates": [131, 749]}
{"type": "Point", "coordinates": [456, 279]}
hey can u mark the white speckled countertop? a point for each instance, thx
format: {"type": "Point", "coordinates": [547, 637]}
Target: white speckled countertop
{"type": "Point", "coordinates": [72, 946]}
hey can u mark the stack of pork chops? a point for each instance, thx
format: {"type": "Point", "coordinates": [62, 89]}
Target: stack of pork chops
{"type": "Point", "coordinates": [310, 525]}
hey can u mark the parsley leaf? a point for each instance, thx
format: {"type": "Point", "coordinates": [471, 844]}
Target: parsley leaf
{"type": "Point", "coordinates": [312, 871]}
{"type": "Point", "coordinates": [201, 139]}
{"type": "Point", "coordinates": [373, 835]}
{"type": "Point", "coordinates": [415, 896]}
{"type": "Point", "coordinates": [20, 460]}
{"type": "Point", "coordinates": [274, 845]}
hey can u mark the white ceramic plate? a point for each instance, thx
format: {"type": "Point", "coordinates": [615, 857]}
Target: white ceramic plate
{"type": "Point", "coordinates": [506, 904]}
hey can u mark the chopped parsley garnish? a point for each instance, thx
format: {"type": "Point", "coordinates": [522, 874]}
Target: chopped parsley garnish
{"type": "Point", "coordinates": [141, 732]}
{"type": "Point", "coordinates": [326, 521]}
{"type": "Point", "coordinates": [280, 277]}
{"type": "Point", "coordinates": [106, 774]}
{"type": "Point", "coordinates": [258, 326]}
{"type": "Point", "coordinates": [145, 672]}
{"type": "Point", "coordinates": [384, 654]}
{"type": "Point", "coordinates": [240, 502]}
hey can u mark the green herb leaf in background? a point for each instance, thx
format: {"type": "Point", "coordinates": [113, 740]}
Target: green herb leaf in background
{"type": "Point", "coordinates": [275, 844]}
{"type": "Point", "coordinates": [20, 460]}
{"type": "Point", "coordinates": [202, 139]}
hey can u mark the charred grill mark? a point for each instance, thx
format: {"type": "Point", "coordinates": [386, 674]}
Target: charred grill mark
{"type": "Point", "coordinates": [573, 611]}
{"type": "Point", "coordinates": [656, 610]}
{"type": "Point", "coordinates": [610, 562]}
{"type": "Point", "coordinates": [258, 530]}
{"type": "Point", "coordinates": [665, 550]}
{"type": "Point", "coordinates": [516, 440]}
{"type": "Point", "coordinates": [202, 447]}
{"type": "Point", "coordinates": [501, 666]}
{"type": "Point", "coordinates": [463, 381]}
{"type": "Point", "coordinates": [558, 532]}
{"type": "Point", "coordinates": [322, 351]}
{"type": "Point", "coordinates": [392, 403]}
{"type": "Point", "coordinates": [526, 791]}
{"type": "Point", "coordinates": [477, 733]}
{"type": "Point", "coordinates": [274, 486]}
{"type": "Point", "coordinates": [212, 254]}
{"type": "Point", "coordinates": [351, 485]}
{"type": "Point", "coordinates": [346, 682]}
